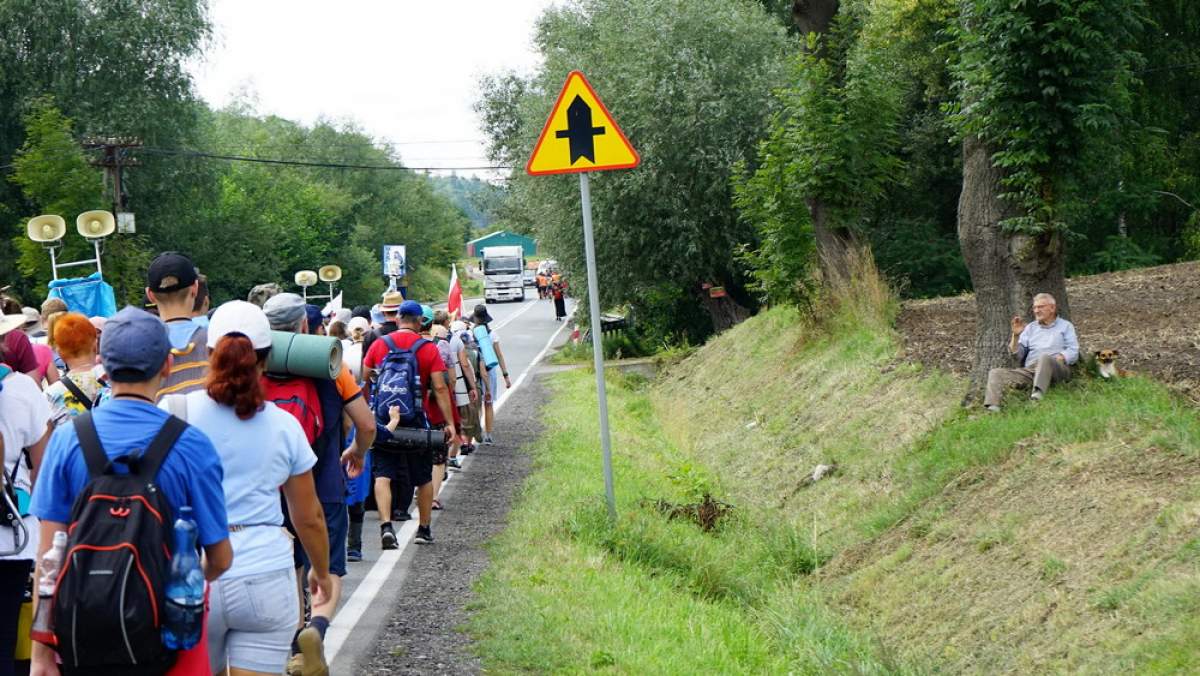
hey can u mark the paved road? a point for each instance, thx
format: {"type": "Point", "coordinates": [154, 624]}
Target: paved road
{"type": "Point", "coordinates": [526, 331]}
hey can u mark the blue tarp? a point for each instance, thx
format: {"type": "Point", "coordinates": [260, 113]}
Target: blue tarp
{"type": "Point", "coordinates": [91, 295]}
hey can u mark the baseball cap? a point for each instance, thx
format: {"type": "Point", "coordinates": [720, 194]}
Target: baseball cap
{"type": "Point", "coordinates": [133, 346]}
{"type": "Point", "coordinates": [238, 317]}
{"type": "Point", "coordinates": [426, 315]}
{"type": "Point", "coordinates": [391, 301]}
{"type": "Point", "coordinates": [377, 315]}
{"type": "Point", "coordinates": [171, 271]}
{"type": "Point", "coordinates": [284, 310]}
{"type": "Point", "coordinates": [410, 308]}
{"type": "Point", "coordinates": [480, 315]}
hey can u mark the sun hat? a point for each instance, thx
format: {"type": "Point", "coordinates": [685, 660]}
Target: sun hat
{"type": "Point", "coordinates": [377, 317]}
{"type": "Point", "coordinates": [391, 300]}
{"type": "Point", "coordinates": [10, 322]}
{"type": "Point", "coordinates": [133, 346]}
{"type": "Point", "coordinates": [480, 315]}
{"type": "Point", "coordinates": [238, 317]}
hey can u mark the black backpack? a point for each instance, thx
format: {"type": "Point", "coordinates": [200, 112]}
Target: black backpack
{"type": "Point", "coordinates": [108, 607]}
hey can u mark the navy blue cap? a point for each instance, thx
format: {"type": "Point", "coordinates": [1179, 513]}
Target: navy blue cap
{"type": "Point", "coordinates": [315, 320]}
{"type": "Point", "coordinates": [133, 346]}
{"type": "Point", "coordinates": [410, 308]}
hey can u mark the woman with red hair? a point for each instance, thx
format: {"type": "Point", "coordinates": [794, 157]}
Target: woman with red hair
{"type": "Point", "coordinates": [83, 386]}
{"type": "Point", "coordinates": [253, 606]}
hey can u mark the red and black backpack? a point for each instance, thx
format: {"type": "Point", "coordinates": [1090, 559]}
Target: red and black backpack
{"type": "Point", "coordinates": [108, 606]}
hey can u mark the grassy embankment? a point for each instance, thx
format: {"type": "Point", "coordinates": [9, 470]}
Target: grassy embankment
{"type": "Point", "coordinates": [1058, 536]}
{"type": "Point", "coordinates": [428, 284]}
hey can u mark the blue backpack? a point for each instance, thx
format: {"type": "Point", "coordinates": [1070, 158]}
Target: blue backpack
{"type": "Point", "coordinates": [398, 383]}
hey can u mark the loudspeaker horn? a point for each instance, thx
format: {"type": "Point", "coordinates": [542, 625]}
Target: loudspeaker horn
{"type": "Point", "coordinates": [330, 273]}
{"type": "Point", "coordinates": [306, 278]}
{"type": "Point", "coordinates": [46, 228]}
{"type": "Point", "coordinates": [96, 224]}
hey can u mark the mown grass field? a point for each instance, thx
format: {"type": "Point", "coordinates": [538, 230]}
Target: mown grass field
{"type": "Point", "coordinates": [1059, 536]}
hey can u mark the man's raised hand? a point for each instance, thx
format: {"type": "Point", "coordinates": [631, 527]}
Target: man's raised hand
{"type": "Point", "coordinates": [1018, 325]}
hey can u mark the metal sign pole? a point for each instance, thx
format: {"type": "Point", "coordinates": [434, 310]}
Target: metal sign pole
{"type": "Point", "coordinates": [597, 340]}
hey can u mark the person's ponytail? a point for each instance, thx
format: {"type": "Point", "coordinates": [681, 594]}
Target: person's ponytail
{"type": "Point", "coordinates": [233, 376]}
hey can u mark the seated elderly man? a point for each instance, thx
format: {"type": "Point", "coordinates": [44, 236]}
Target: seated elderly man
{"type": "Point", "coordinates": [1045, 349]}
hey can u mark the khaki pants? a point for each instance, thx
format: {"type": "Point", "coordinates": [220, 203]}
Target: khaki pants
{"type": "Point", "coordinates": [1046, 372]}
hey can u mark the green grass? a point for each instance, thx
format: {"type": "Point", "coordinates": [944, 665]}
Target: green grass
{"type": "Point", "coordinates": [570, 592]}
{"type": "Point", "coordinates": [1054, 537]}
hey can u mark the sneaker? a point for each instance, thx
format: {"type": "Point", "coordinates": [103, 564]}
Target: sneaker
{"type": "Point", "coordinates": [387, 536]}
{"type": "Point", "coordinates": [467, 449]}
{"type": "Point", "coordinates": [353, 555]}
{"type": "Point", "coordinates": [454, 463]}
{"type": "Point", "coordinates": [487, 440]}
{"type": "Point", "coordinates": [295, 665]}
{"type": "Point", "coordinates": [993, 408]}
{"type": "Point", "coordinates": [1036, 396]}
{"type": "Point", "coordinates": [424, 536]}
{"type": "Point", "coordinates": [398, 515]}
{"type": "Point", "coordinates": [312, 648]}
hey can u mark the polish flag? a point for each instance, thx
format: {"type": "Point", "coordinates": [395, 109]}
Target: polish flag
{"type": "Point", "coordinates": [454, 301]}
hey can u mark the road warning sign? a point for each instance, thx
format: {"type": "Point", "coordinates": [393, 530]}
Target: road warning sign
{"type": "Point", "coordinates": [580, 135]}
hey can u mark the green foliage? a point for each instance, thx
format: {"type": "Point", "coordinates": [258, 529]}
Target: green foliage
{"type": "Point", "coordinates": [1122, 253]}
{"type": "Point", "coordinates": [1039, 83]}
{"type": "Point", "coordinates": [689, 82]}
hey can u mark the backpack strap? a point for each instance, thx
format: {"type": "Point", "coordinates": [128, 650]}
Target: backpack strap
{"type": "Point", "coordinates": [79, 395]}
{"type": "Point", "coordinates": [89, 442]}
{"type": "Point", "coordinates": [163, 442]}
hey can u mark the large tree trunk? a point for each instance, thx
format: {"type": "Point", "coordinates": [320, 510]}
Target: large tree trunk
{"type": "Point", "coordinates": [834, 244]}
{"type": "Point", "coordinates": [1007, 269]}
{"type": "Point", "coordinates": [724, 311]}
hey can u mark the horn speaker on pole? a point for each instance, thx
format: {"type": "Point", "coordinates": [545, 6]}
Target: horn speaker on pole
{"type": "Point", "coordinates": [46, 228]}
{"type": "Point", "coordinates": [330, 273]}
{"type": "Point", "coordinates": [96, 224]}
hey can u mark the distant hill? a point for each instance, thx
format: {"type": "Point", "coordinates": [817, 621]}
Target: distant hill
{"type": "Point", "coordinates": [474, 196]}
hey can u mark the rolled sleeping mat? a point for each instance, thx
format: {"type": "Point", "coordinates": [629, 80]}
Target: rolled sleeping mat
{"type": "Point", "coordinates": [298, 354]}
{"type": "Point", "coordinates": [412, 439]}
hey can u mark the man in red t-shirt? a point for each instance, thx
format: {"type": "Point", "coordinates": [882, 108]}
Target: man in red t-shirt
{"type": "Point", "coordinates": [419, 466]}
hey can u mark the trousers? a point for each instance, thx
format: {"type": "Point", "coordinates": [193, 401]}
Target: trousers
{"type": "Point", "coordinates": [1046, 372]}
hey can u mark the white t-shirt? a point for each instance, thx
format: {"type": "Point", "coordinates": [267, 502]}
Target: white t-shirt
{"type": "Point", "coordinates": [24, 414]}
{"type": "Point", "coordinates": [258, 456]}
{"type": "Point", "coordinates": [352, 355]}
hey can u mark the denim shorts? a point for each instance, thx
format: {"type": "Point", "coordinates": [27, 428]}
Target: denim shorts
{"type": "Point", "coordinates": [251, 621]}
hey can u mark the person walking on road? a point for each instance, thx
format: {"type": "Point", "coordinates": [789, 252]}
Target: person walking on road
{"type": "Point", "coordinates": [172, 285]}
{"type": "Point", "coordinates": [558, 288]}
{"type": "Point", "coordinates": [389, 463]}
{"type": "Point", "coordinates": [331, 401]}
{"type": "Point", "coordinates": [252, 616]}
{"type": "Point", "coordinates": [136, 353]}
{"type": "Point", "coordinates": [493, 358]}
{"type": "Point", "coordinates": [84, 385]}
{"type": "Point", "coordinates": [468, 412]}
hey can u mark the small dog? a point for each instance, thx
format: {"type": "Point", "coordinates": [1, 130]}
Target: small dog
{"type": "Point", "coordinates": [1106, 360]}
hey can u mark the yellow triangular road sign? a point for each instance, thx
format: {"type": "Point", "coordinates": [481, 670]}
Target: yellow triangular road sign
{"type": "Point", "coordinates": [580, 135]}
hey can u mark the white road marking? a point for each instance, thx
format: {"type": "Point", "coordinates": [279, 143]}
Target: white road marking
{"type": "Point", "coordinates": [366, 592]}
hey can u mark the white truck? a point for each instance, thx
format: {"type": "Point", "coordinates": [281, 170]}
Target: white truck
{"type": "Point", "coordinates": [503, 267]}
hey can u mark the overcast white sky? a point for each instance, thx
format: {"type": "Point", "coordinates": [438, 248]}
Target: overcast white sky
{"type": "Point", "coordinates": [405, 70]}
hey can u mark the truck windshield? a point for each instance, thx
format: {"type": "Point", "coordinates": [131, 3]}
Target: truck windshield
{"type": "Point", "coordinates": [503, 265]}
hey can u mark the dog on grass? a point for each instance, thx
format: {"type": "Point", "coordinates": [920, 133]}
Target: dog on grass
{"type": "Point", "coordinates": [1106, 361]}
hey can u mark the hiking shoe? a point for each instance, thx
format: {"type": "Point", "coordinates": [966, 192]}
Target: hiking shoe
{"type": "Point", "coordinates": [295, 665]}
{"type": "Point", "coordinates": [467, 449]}
{"type": "Point", "coordinates": [387, 536]}
{"type": "Point", "coordinates": [353, 555]}
{"type": "Point", "coordinates": [1036, 396]}
{"type": "Point", "coordinates": [424, 536]}
{"type": "Point", "coordinates": [312, 648]}
{"type": "Point", "coordinates": [398, 515]}
{"type": "Point", "coordinates": [487, 440]}
{"type": "Point", "coordinates": [454, 463]}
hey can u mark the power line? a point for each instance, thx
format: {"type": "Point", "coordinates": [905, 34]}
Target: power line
{"type": "Point", "coordinates": [308, 163]}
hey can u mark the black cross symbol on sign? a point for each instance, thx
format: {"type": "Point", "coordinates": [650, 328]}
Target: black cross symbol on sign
{"type": "Point", "coordinates": [580, 131]}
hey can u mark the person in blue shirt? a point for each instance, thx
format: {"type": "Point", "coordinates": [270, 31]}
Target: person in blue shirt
{"type": "Point", "coordinates": [1046, 349]}
{"type": "Point", "coordinates": [135, 351]}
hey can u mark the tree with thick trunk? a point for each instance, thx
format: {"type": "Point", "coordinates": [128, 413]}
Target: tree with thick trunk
{"type": "Point", "coordinates": [1007, 268]}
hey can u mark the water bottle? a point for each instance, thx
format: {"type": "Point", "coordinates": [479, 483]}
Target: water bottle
{"type": "Point", "coordinates": [43, 620]}
{"type": "Point", "coordinates": [185, 588]}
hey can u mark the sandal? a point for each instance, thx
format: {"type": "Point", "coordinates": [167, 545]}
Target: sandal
{"type": "Point", "coordinates": [437, 504]}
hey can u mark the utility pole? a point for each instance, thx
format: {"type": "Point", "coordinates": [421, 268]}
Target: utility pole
{"type": "Point", "coordinates": [114, 159]}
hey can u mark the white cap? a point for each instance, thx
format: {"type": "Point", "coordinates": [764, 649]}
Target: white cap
{"type": "Point", "coordinates": [240, 317]}
{"type": "Point", "coordinates": [458, 326]}
{"type": "Point", "coordinates": [358, 323]}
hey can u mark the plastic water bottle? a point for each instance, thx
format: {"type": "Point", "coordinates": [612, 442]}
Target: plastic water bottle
{"type": "Point", "coordinates": [42, 630]}
{"type": "Point", "coordinates": [185, 588]}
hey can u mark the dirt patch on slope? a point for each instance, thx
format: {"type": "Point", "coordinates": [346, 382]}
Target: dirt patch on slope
{"type": "Point", "coordinates": [1151, 315]}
